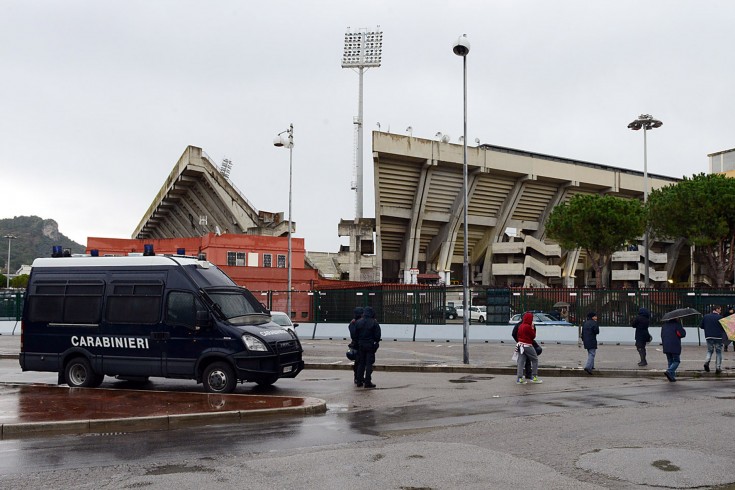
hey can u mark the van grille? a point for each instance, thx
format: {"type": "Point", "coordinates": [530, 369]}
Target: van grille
{"type": "Point", "coordinates": [287, 346]}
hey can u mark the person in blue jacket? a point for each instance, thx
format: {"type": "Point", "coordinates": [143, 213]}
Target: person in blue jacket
{"type": "Point", "coordinates": [590, 331]}
{"type": "Point", "coordinates": [671, 334]}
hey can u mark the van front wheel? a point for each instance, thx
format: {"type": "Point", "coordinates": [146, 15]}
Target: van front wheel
{"type": "Point", "coordinates": [79, 374]}
{"type": "Point", "coordinates": [219, 378]}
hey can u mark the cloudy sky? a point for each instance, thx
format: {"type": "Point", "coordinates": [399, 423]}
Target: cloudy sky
{"type": "Point", "coordinates": [99, 99]}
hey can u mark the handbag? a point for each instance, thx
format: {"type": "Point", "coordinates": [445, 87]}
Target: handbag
{"type": "Point", "coordinates": [650, 338]}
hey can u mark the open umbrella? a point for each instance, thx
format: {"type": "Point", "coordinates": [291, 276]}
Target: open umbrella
{"type": "Point", "coordinates": [679, 313]}
{"type": "Point", "coordinates": [561, 304]}
{"type": "Point", "coordinates": [728, 323]}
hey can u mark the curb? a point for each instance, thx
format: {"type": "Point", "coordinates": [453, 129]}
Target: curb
{"type": "Point", "coordinates": [548, 372]}
{"type": "Point", "coordinates": [163, 422]}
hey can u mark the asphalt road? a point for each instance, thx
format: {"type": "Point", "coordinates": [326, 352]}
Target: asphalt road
{"type": "Point", "coordinates": [416, 431]}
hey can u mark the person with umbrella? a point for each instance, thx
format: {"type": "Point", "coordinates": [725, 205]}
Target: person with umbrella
{"type": "Point", "coordinates": [671, 334]}
{"type": "Point", "coordinates": [713, 333]}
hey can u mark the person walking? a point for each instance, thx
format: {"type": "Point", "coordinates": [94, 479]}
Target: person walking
{"type": "Point", "coordinates": [526, 338]}
{"type": "Point", "coordinates": [356, 315]}
{"type": "Point", "coordinates": [713, 333]}
{"type": "Point", "coordinates": [367, 334]}
{"type": "Point", "coordinates": [590, 331]}
{"type": "Point", "coordinates": [642, 335]}
{"type": "Point", "coordinates": [671, 334]}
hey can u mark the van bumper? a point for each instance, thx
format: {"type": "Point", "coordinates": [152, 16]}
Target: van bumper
{"type": "Point", "coordinates": [250, 368]}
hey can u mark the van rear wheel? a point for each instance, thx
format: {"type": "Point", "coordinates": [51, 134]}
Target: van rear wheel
{"type": "Point", "coordinates": [79, 374]}
{"type": "Point", "coordinates": [219, 378]}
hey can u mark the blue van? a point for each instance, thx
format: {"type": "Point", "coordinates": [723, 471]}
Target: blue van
{"type": "Point", "coordinates": [150, 316]}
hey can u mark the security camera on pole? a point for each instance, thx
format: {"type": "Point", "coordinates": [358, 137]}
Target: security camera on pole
{"type": "Point", "coordinates": [280, 142]}
{"type": "Point", "coordinates": [462, 48]}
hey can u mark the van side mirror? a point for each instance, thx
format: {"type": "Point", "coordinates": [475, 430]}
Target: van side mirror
{"type": "Point", "coordinates": [203, 319]}
{"type": "Point", "coordinates": [295, 325]}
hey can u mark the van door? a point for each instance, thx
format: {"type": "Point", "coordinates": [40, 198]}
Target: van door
{"type": "Point", "coordinates": [186, 341]}
{"type": "Point", "coordinates": [133, 324]}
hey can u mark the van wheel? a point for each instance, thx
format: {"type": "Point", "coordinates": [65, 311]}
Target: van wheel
{"type": "Point", "coordinates": [266, 380]}
{"type": "Point", "coordinates": [450, 316]}
{"type": "Point", "coordinates": [219, 378]}
{"type": "Point", "coordinates": [79, 374]}
{"type": "Point", "coordinates": [482, 319]}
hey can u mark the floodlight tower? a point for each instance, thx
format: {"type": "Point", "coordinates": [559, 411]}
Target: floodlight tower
{"type": "Point", "coordinates": [363, 50]}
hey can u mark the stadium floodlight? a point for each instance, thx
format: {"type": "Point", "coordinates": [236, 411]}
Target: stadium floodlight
{"type": "Point", "coordinates": [363, 49]}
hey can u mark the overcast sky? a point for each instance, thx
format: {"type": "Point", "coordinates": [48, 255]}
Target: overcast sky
{"type": "Point", "coordinates": [99, 99]}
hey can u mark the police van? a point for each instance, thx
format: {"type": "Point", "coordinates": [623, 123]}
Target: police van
{"type": "Point", "coordinates": [150, 316]}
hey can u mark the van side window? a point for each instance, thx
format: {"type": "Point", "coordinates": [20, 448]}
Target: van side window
{"type": "Point", "coordinates": [74, 302]}
{"type": "Point", "coordinates": [181, 309]}
{"type": "Point", "coordinates": [134, 302]}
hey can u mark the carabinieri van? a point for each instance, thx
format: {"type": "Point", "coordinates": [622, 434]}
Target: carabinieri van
{"type": "Point", "coordinates": [150, 316]}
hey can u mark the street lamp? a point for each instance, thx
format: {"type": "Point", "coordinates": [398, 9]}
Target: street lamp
{"type": "Point", "coordinates": [646, 122]}
{"type": "Point", "coordinates": [462, 48]}
{"type": "Point", "coordinates": [279, 141]}
{"type": "Point", "coordinates": [9, 237]}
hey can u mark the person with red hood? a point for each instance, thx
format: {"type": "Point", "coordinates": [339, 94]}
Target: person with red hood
{"type": "Point", "coordinates": [526, 337]}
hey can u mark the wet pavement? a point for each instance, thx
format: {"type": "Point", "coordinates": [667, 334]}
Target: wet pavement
{"type": "Point", "coordinates": [27, 409]}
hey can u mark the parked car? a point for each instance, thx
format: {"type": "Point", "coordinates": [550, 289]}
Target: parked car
{"type": "Point", "coordinates": [447, 312]}
{"type": "Point", "coordinates": [475, 313]}
{"type": "Point", "coordinates": [540, 319]}
{"type": "Point", "coordinates": [283, 320]}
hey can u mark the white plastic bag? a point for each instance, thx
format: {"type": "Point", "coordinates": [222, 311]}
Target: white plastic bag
{"type": "Point", "coordinates": [515, 356]}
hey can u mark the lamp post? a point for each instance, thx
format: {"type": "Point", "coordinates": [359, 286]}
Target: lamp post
{"type": "Point", "coordinates": [279, 141]}
{"type": "Point", "coordinates": [645, 122]}
{"type": "Point", "coordinates": [462, 48]}
{"type": "Point", "coordinates": [9, 237]}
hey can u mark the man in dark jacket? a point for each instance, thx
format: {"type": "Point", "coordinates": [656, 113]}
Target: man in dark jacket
{"type": "Point", "coordinates": [357, 314]}
{"type": "Point", "coordinates": [367, 335]}
{"type": "Point", "coordinates": [590, 331]}
{"type": "Point", "coordinates": [713, 332]}
{"type": "Point", "coordinates": [671, 334]}
{"type": "Point", "coordinates": [642, 335]}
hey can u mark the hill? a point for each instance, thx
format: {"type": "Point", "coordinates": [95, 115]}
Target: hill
{"type": "Point", "coordinates": [35, 238]}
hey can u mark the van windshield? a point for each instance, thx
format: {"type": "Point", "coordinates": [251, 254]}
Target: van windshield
{"type": "Point", "coordinates": [239, 307]}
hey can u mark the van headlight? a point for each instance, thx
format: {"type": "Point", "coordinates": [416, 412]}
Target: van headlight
{"type": "Point", "coordinates": [254, 344]}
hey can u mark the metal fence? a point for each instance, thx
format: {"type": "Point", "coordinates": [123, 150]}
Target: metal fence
{"type": "Point", "coordinates": [11, 305]}
{"type": "Point", "coordinates": [620, 307]}
{"type": "Point", "coordinates": [425, 305]}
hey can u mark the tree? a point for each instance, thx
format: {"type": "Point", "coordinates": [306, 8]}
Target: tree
{"type": "Point", "coordinates": [20, 282]}
{"type": "Point", "coordinates": [601, 225]}
{"type": "Point", "coordinates": [700, 209]}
